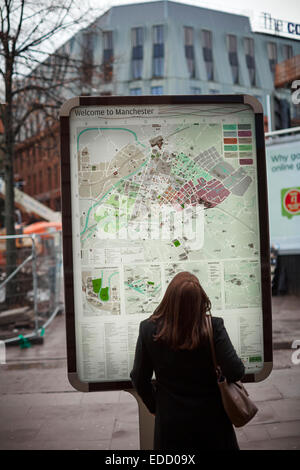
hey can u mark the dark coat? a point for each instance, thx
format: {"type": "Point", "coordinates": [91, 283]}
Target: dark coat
{"type": "Point", "coordinates": [185, 397]}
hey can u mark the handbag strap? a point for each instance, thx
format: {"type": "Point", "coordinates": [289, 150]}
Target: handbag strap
{"type": "Point", "coordinates": [211, 341]}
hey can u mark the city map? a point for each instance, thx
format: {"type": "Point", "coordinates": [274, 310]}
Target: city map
{"type": "Point", "coordinates": [158, 191]}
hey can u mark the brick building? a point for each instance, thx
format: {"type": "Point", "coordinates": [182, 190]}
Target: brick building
{"type": "Point", "coordinates": [37, 167]}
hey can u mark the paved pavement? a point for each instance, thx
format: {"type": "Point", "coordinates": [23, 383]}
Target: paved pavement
{"type": "Point", "coordinates": [40, 410]}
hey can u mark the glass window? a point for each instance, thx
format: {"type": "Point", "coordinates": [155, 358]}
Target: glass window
{"type": "Point", "coordinates": [87, 53]}
{"type": "Point", "coordinates": [156, 90]}
{"type": "Point", "coordinates": [158, 34]}
{"type": "Point", "coordinates": [188, 36]}
{"type": "Point", "coordinates": [195, 90]}
{"type": "Point", "coordinates": [250, 59]}
{"type": "Point", "coordinates": [158, 51]}
{"type": "Point", "coordinates": [206, 38]}
{"type": "Point", "coordinates": [287, 52]}
{"type": "Point", "coordinates": [272, 55]}
{"type": "Point", "coordinates": [107, 56]}
{"type": "Point", "coordinates": [135, 91]}
{"type": "Point", "coordinates": [137, 68]}
{"type": "Point", "coordinates": [158, 67]}
{"type": "Point", "coordinates": [249, 46]}
{"type": "Point", "coordinates": [233, 57]}
{"type": "Point", "coordinates": [189, 50]}
{"type": "Point", "coordinates": [137, 37]}
{"type": "Point", "coordinates": [137, 52]}
{"type": "Point", "coordinates": [107, 40]}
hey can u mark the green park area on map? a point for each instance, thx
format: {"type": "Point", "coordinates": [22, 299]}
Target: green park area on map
{"type": "Point", "coordinates": [103, 292]}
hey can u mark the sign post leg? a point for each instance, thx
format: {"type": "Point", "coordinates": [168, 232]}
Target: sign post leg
{"type": "Point", "coordinates": [146, 423]}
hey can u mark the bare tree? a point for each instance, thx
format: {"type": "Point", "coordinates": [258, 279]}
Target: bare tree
{"type": "Point", "coordinates": [34, 78]}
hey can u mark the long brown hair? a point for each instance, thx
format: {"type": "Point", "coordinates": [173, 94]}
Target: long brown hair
{"type": "Point", "coordinates": [181, 314]}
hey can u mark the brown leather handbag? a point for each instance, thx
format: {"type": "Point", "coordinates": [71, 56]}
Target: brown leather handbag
{"type": "Point", "coordinates": [237, 404]}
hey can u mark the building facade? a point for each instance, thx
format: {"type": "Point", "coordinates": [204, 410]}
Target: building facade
{"type": "Point", "coordinates": [172, 48]}
{"type": "Point", "coordinates": [37, 168]}
{"type": "Point", "coordinates": [161, 48]}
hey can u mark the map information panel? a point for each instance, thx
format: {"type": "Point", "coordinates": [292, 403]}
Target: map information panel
{"type": "Point", "coordinates": [156, 190]}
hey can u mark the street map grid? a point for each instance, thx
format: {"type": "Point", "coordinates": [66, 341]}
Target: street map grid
{"type": "Point", "coordinates": [157, 190]}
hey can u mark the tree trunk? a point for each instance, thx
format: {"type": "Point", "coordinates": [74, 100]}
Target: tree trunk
{"type": "Point", "coordinates": [11, 255]}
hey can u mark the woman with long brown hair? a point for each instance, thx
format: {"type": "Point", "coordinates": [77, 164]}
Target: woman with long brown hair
{"type": "Point", "coordinates": [173, 343]}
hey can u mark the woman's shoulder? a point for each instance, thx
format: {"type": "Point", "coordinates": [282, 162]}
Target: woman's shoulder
{"type": "Point", "coordinates": [147, 325]}
{"type": "Point", "coordinates": [217, 321]}
{"type": "Point", "coordinates": [217, 324]}
{"type": "Point", "coordinates": [147, 330]}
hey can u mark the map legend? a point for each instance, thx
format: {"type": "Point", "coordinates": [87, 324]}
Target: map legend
{"type": "Point", "coordinates": [230, 141]}
{"type": "Point", "coordinates": [245, 144]}
{"type": "Point", "coordinates": [237, 143]}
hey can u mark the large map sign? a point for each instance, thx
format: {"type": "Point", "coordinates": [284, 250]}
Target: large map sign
{"type": "Point", "coordinates": [153, 186]}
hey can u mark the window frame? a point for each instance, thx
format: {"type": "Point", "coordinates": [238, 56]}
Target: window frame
{"type": "Point", "coordinates": [158, 51]}
{"type": "Point", "coordinates": [207, 51]}
{"type": "Point", "coordinates": [189, 50]}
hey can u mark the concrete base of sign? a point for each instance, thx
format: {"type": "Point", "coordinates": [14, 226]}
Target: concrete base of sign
{"type": "Point", "coordinates": [146, 423]}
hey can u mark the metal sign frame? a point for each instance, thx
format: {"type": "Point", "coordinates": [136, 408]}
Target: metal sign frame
{"type": "Point", "coordinates": [87, 101]}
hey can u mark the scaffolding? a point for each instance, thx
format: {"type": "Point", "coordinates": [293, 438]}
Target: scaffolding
{"type": "Point", "coordinates": [35, 295]}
